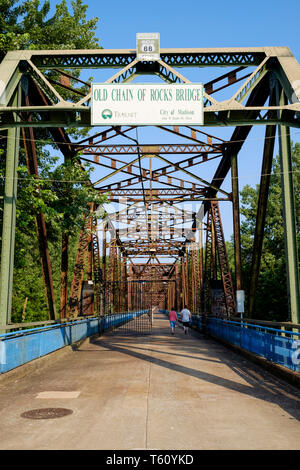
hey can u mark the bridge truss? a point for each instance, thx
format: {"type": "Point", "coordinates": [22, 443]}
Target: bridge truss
{"type": "Point", "coordinates": [164, 209]}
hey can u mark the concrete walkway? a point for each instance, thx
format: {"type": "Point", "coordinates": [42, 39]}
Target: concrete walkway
{"type": "Point", "coordinates": [151, 392]}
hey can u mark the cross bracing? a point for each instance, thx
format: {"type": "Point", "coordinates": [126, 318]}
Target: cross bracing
{"type": "Point", "coordinates": [260, 88]}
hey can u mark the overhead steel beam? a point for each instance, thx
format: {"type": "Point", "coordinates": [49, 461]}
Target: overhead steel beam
{"type": "Point", "coordinates": [258, 97]}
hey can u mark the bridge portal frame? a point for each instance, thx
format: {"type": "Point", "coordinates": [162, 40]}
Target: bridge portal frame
{"type": "Point", "coordinates": [275, 79]}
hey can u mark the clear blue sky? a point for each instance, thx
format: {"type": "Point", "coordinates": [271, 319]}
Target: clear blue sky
{"type": "Point", "coordinates": [194, 23]}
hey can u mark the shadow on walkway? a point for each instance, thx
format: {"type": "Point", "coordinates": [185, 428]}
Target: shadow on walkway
{"type": "Point", "coordinates": [261, 384]}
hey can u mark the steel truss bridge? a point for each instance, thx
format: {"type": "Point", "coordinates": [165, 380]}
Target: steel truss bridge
{"type": "Point", "coordinates": [150, 235]}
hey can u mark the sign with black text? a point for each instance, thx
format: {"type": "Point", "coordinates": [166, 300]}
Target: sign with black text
{"type": "Point", "coordinates": [147, 104]}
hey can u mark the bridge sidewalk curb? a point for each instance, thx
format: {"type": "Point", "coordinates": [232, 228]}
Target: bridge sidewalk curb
{"type": "Point", "coordinates": [41, 363]}
{"type": "Point", "coordinates": [279, 371]}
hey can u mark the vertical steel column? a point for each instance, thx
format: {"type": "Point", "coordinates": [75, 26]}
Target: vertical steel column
{"type": "Point", "coordinates": [193, 280]}
{"type": "Point", "coordinates": [223, 259]}
{"type": "Point", "coordinates": [130, 278]}
{"type": "Point", "coordinates": [90, 245]}
{"type": "Point", "coordinates": [32, 166]}
{"type": "Point", "coordinates": [178, 305]}
{"type": "Point", "coordinates": [183, 281]}
{"type": "Point", "coordinates": [104, 252]}
{"type": "Point", "coordinates": [124, 282]}
{"type": "Point", "coordinates": [64, 275]}
{"type": "Point", "coordinates": [207, 274]}
{"type": "Point", "coordinates": [103, 265]}
{"type": "Point", "coordinates": [261, 214]}
{"type": "Point", "coordinates": [75, 293]}
{"type": "Point", "coordinates": [96, 266]}
{"type": "Point", "coordinates": [289, 221]}
{"type": "Point", "coordinates": [9, 219]}
{"type": "Point", "coordinates": [201, 266]}
{"type": "Point", "coordinates": [214, 271]}
{"type": "Point", "coordinates": [236, 221]}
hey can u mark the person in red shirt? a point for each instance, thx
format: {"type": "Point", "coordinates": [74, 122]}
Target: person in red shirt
{"type": "Point", "coordinates": [172, 319]}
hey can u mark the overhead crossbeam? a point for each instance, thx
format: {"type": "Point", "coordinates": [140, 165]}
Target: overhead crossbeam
{"type": "Point", "coordinates": [159, 232]}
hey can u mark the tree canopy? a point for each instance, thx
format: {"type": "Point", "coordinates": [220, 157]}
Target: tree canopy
{"type": "Point", "coordinates": [29, 24]}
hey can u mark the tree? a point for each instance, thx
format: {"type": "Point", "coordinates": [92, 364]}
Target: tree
{"type": "Point", "coordinates": [75, 198]}
{"type": "Point", "coordinates": [61, 193]}
{"type": "Point", "coordinates": [27, 25]}
{"type": "Point", "coordinates": [271, 296]}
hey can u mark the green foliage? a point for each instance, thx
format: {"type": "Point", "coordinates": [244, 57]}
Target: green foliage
{"type": "Point", "coordinates": [73, 193]}
{"type": "Point", "coordinates": [271, 295]}
{"type": "Point", "coordinates": [62, 193]}
{"type": "Point", "coordinates": [27, 25]}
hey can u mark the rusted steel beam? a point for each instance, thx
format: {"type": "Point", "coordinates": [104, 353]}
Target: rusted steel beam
{"type": "Point", "coordinates": [156, 192]}
{"type": "Point", "coordinates": [97, 277]}
{"type": "Point", "coordinates": [236, 221]}
{"type": "Point", "coordinates": [64, 275]}
{"type": "Point", "coordinates": [257, 98]}
{"type": "Point", "coordinates": [147, 149]}
{"type": "Point", "coordinates": [223, 260]}
{"type": "Point", "coordinates": [90, 247]}
{"type": "Point", "coordinates": [31, 159]}
{"type": "Point", "coordinates": [75, 294]}
{"type": "Point", "coordinates": [191, 133]}
{"type": "Point", "coordinates": [231, 79]}
{"type": "Point", "coordinates": [208, 264]}
{"type": "Point", "coordinates": [102, 136]}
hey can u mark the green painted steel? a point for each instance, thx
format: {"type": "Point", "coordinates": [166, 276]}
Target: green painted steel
{"type": "Point", "coordinates": [56, 112]}
{"type": "Point", "coordinates": [288, 205]}
{"type": "Point", "coordinates": [9, 219]}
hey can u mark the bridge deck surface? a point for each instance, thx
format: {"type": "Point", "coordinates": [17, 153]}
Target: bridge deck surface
{"type": "Point", "coordinates": [151, 392]}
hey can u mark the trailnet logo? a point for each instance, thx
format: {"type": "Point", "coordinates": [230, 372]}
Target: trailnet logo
{"type": "Point", "coordinates": [296, 353]}
{"type": "Point", "coordinates": [107, 114]}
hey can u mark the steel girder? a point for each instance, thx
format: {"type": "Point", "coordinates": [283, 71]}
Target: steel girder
{"type": "Point", "coordinates": [217, 113]}
{"type": "Point", "coordinates": [244, 109]}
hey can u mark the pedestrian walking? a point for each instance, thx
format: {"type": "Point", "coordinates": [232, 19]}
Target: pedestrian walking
{"type": "Point", "coordinates": [172, 319]}
{"type": "Point", "coordinates": [186, 317]}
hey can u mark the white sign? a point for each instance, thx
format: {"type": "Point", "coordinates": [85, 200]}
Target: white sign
{"type": "Point", "coordinates": [147, 46]}
{"type": "Point", "coordinates": [240, 299]}
{"type": "Point", "coordinates": [147, 104]}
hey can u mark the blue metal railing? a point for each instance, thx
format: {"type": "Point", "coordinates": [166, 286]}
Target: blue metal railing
{"type": "Point", "coordinates": [118, 319]}
{"type": "Point", "coordinates": [279, 346]}
{"type": "Point", "coordinates": [19, 347]}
